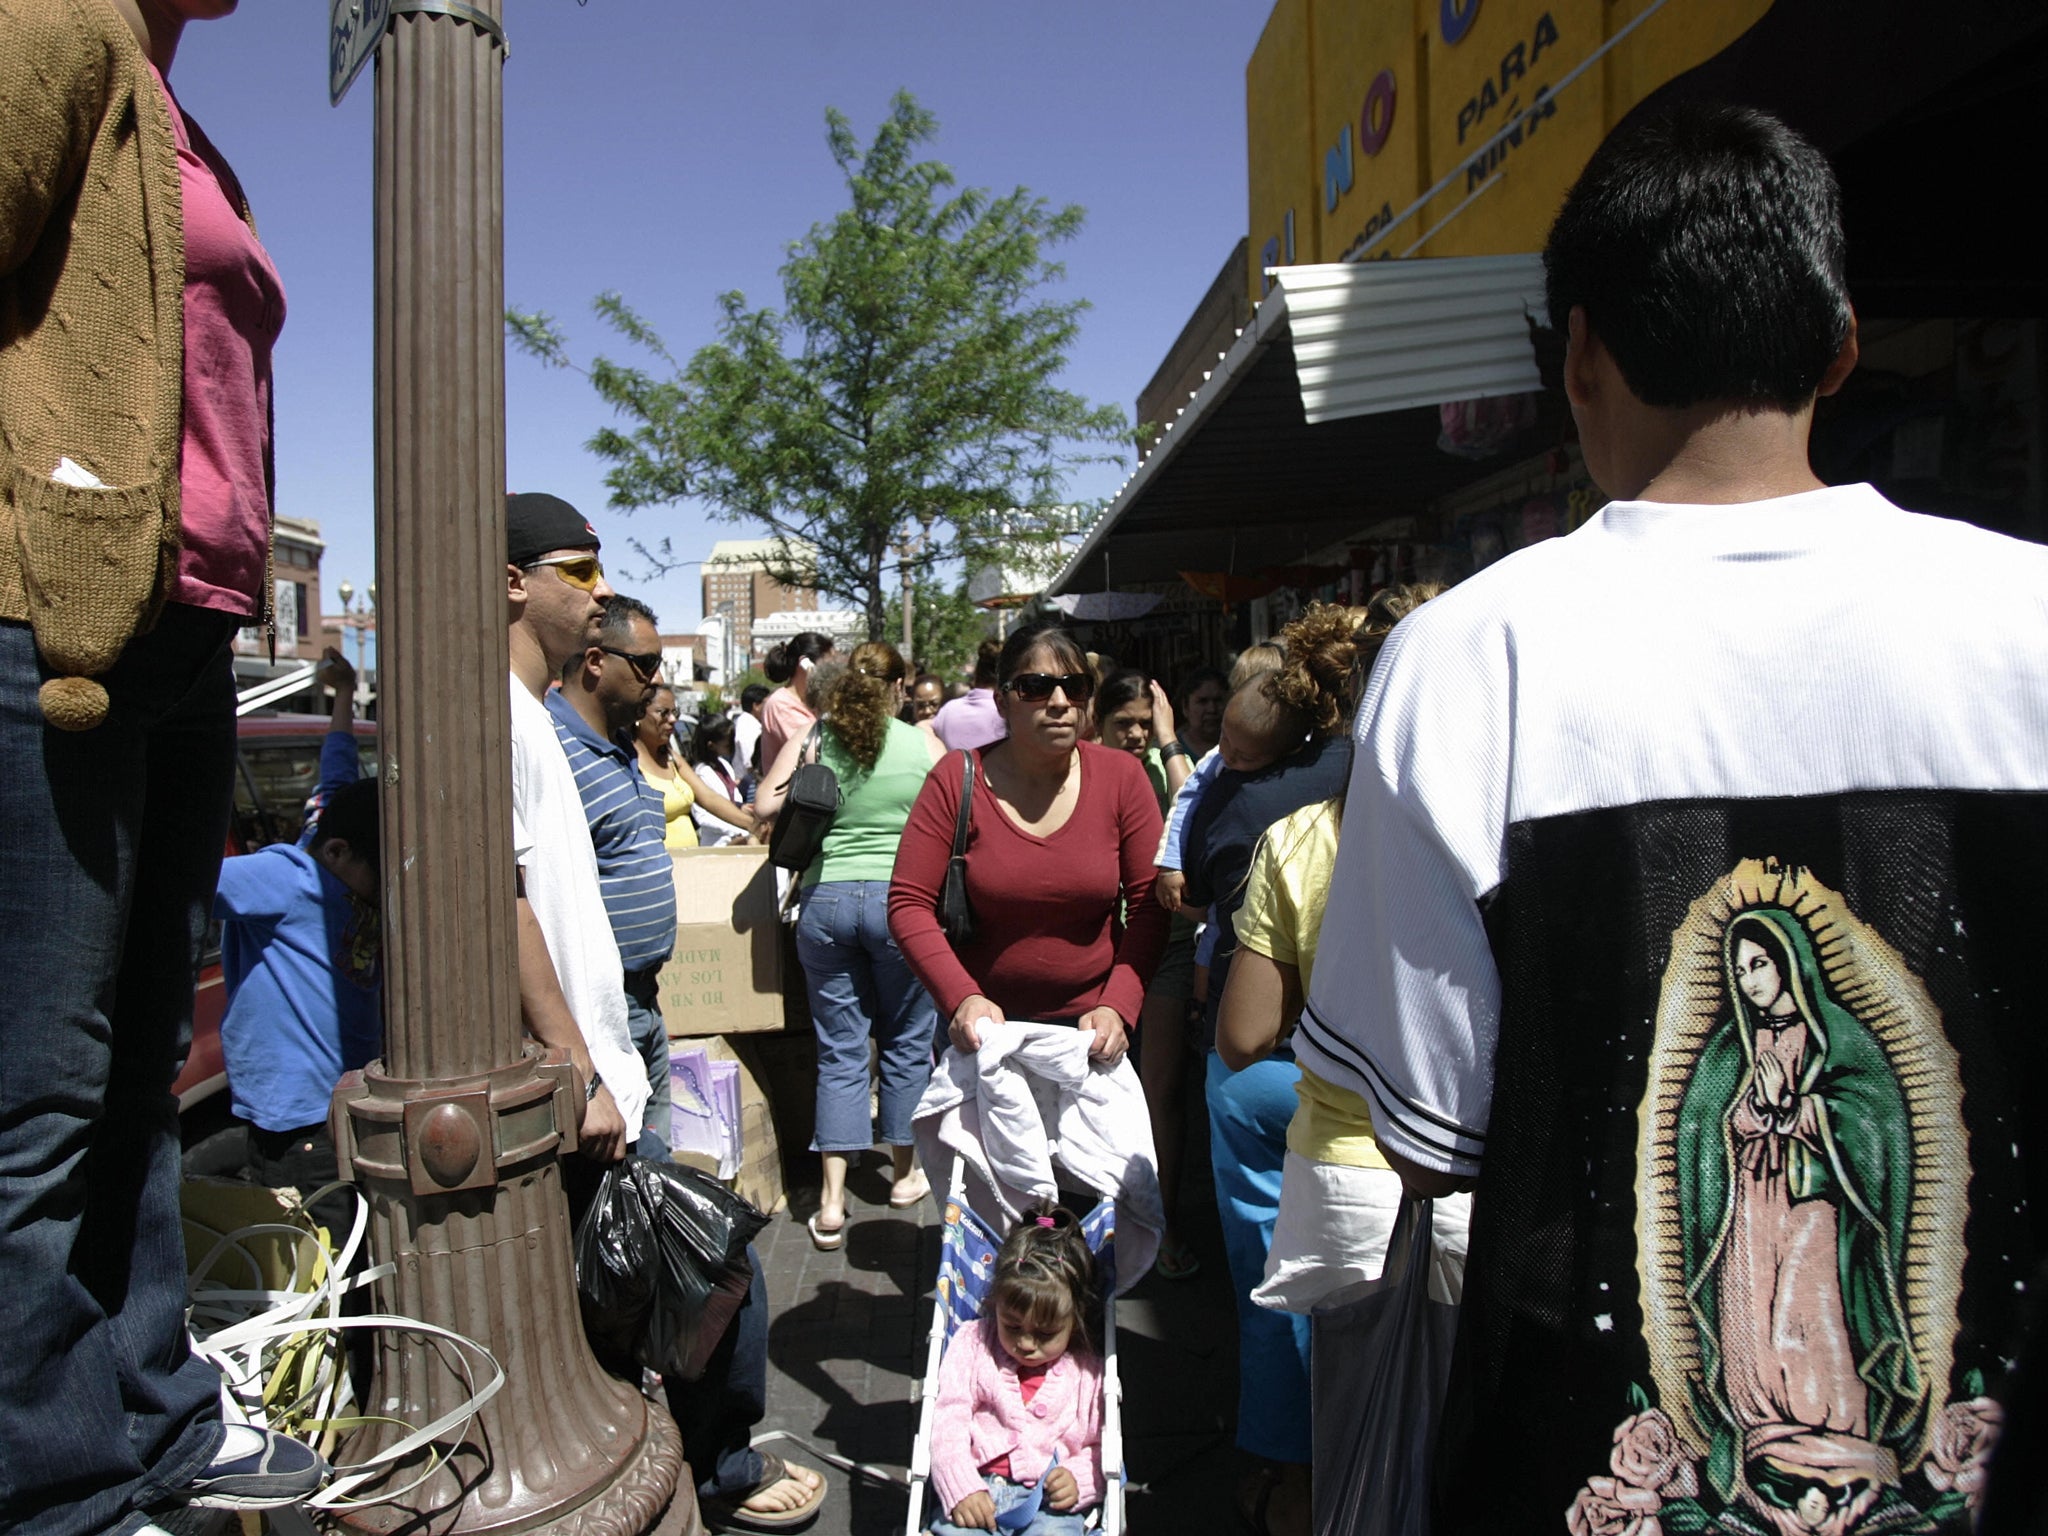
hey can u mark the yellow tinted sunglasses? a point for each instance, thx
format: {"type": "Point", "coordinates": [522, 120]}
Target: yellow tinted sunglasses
{"type": "Point", "coordinates": [584, 571]}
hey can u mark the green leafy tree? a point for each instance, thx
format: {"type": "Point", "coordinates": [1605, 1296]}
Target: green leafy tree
{"type": "Point", "coordinates": [906, 390]}
{"type": "Point", "coordinates": [945, 627]}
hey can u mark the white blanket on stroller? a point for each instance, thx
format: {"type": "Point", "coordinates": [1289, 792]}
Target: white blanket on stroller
{"type": "Point", "coordinates": [1030, 1102]}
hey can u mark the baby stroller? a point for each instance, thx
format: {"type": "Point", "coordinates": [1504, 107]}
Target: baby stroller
{"type": "Point", "coordinates": [979, 1113]}
{"type": "Point", "coordinates": [967, 1259]}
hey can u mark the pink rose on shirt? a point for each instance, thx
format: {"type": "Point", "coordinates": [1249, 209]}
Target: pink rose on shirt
{"type": "Point", "coordinates": [1605, 1507]}
{"type": "Point", "coordinates": [1648, 1455]}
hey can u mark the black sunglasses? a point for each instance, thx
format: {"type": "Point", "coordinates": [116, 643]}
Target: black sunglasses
{"type": "Point", "coordinates": [1037, 687]}
{"type": "Point", "coordinates": [646, 665]}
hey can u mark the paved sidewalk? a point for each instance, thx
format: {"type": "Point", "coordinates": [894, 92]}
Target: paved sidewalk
{"type": "Point", "coordinates": [847, 1341]}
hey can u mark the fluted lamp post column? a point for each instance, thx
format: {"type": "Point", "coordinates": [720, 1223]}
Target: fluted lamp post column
{"type": "Point", "coordinates": [454, 1135]}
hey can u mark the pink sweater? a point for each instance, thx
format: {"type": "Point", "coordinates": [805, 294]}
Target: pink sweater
{"type": "Point", "coordinates": [982, 1415]}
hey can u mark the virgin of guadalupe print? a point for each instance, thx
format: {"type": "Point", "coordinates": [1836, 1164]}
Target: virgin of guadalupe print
{"type": "Point", "coordinates": [1802, 1177]}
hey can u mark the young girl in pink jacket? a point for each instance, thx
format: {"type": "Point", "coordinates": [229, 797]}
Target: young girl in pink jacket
{"type": "Point", "coordinates": [1019, 1419]}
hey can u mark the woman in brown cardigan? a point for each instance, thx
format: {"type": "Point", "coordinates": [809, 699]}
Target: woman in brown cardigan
{"type": "Point", "coordinates": [137, 315]}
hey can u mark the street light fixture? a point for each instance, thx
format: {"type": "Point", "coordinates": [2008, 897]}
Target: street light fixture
{"type": "Point", "coordinates": [454, 1134]}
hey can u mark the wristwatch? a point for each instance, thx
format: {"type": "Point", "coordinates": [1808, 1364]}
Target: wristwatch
{"type": "Point", "coordinates": [1172, 750]}
{"type": "Point", "coordinates": [590, 1088]}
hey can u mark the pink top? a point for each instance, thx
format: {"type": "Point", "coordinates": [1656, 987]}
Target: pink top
{"type": "Point", "coordinates": [970, 721]}
{"type": "Point", "coordinates": [783, 715]}
{"type": "Point", "coordinates": [234, 309]}
{"type": "Point", "coordinates": [982, 1415]}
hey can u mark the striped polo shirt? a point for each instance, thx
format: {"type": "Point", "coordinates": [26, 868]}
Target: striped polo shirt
{"type": "Point", "coordinates": [634, 870]}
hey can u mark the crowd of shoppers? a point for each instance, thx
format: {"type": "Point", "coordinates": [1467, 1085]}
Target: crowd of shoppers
{"type": "Point", "coordinates": [1675, 948]}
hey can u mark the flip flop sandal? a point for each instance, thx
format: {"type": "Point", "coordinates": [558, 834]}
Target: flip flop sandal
{"type": "Point", "coordinates": [826, 1238]}
{"type": "Point", "coordinates": [1176, 1262]}
{"type": "Point", "coordinates": [731, 1514]}
{"type": "Point", "coordinates": [924, 1187]}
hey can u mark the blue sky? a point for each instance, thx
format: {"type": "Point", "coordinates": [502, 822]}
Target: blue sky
{"type": "Point", "coordinates": [672, 150]}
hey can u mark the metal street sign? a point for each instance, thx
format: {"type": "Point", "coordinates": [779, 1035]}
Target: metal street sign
{"type": "Point", "coordinates": [357, 27]}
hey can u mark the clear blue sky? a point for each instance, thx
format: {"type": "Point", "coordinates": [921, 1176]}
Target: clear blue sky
{"type": "Point", "coordinates": [671, 150]}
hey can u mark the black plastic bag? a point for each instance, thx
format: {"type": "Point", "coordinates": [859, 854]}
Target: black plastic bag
{"type": "Point", "coordinates": [661, 1264]}
{"type": "Point", "coordinates": [1380, 1356]}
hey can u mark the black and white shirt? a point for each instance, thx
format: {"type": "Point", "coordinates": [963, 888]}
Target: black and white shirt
{"type": "Point", "coordinates": [1692, 876]}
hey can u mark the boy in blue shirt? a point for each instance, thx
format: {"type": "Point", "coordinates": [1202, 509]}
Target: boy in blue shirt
{"type": "Point", "coordinates": [301, 957]}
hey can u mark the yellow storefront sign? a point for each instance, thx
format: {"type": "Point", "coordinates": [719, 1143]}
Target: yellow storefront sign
{"type": "Point", "coordinates": [1379, 128]}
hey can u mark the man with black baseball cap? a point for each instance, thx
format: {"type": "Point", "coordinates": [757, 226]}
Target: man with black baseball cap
{"type": "Point", "coordinates": [572, 993]}
{"type": "Point", "coordinates": [569, 970]}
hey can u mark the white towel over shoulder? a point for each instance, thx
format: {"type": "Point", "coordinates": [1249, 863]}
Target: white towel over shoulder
{"type": "Point", "coordinates": [1030, 1102]}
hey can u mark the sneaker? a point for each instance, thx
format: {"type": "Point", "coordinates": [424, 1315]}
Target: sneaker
{"type": "Point", "coordinates": [256, 1469]}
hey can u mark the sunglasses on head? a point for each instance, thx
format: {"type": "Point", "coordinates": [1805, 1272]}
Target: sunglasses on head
{"type": "Point", "coordinates": [645, 664]}
{"type": "Point", "coordinates": [584, 571]}
{"type": "Point", "coordinates": [1037, 687]}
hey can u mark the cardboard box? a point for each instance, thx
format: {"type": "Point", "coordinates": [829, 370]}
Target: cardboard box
{"type": "Point", "coordinates": [726, 974]}
{"type": "Point", "coordinates": [760, 1175]}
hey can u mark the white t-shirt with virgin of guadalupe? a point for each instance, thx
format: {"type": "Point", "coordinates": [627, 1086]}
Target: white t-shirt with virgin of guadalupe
{"type": "Point", "coordinates": [551, 840]}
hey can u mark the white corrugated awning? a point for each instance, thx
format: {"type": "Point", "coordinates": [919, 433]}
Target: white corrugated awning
{"type": "Point", "coordinates": [1321, 419]}
{"type": "Point", "coordinates": [1387, 335]}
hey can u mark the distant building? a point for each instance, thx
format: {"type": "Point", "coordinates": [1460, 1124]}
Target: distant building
{"type": "Point", "coordinates": [296, 548]}
{"type": "Point", "coordinates": [739, 589]}
{"type": "Point", "coordinates": [682, 660]}
{"type": "Point", "coordinates": [848, 627]}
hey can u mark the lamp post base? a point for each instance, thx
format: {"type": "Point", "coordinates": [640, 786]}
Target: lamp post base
{"type": "Point", "coordinates": [465, 1193]}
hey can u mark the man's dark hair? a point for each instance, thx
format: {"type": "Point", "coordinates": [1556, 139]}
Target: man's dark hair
{"type": "Point", "coordinates": [350, 814]}
{"type": "Point", "coordinates": [619, 613]}
{"type": "Point", "coordinates": [987, 658]}
{"type": "Point", "coordinates": [1705, 244]}
{"type": "Point", "coordinates": [753, 696]}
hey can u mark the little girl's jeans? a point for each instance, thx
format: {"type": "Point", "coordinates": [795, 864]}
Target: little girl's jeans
{"type": "Point", "coordinates": [1048, 1522]}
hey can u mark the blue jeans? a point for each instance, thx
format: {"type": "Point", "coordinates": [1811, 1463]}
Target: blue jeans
{"type": "Point", "coordinates": [860, 984]}
{"type": "Point", "coordinates": [110, 847]}
{"type": "Point", "coordinates": [1047, 1522]}
{"type": "Point", "coordinates": [718, 1411]}
{"type": "Point", "coordinates": [650, 1039]}
{"type": "Point", "coordinates": [1248, 1115]}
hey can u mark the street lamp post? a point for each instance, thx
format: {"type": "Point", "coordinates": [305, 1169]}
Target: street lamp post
{"type": "Point", "coordinates": [454, 1135]}
{"type": "Point", "coordinates": [356, 619]}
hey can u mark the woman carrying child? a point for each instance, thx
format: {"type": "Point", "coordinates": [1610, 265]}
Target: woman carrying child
{"type": "Point", "coordinates": [1284, 745]}
{"type": "Point", "coordinates": [1019, 1417]}
{"type": "Point", "coordinates": [1338, 1197]}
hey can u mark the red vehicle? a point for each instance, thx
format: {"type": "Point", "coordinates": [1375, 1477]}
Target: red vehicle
{"type": "Point", "coordinates": [276, 771]}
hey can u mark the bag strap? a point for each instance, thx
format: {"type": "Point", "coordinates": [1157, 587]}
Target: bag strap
{"type": "Point", "coordinates": [808, 752]}
{"type": "Point", "coordinates": [966, 815]}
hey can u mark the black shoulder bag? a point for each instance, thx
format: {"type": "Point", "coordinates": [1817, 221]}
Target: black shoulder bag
{"type": "Point", "coordinates": [807, 811]}
{"type": "Point", "coordinates": [956, 914]}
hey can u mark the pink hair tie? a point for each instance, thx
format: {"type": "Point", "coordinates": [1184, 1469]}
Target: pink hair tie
{"type": "Point", "coordinates": [1044, 1221]}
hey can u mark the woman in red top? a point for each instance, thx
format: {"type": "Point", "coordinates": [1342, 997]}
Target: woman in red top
{"type": "Point", "coordinates": [1059, 847]}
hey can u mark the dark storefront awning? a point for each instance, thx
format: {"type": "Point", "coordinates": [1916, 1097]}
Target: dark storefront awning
{"type": "Point", "coordinates": [1321, 420]}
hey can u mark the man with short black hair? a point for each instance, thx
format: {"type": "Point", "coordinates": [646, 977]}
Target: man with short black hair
{"type": "Point", "coordinates": [606, 687]}
{"type": "Point", "coordinates": [301, 951]}
{"type": "Point", "coordinates": [1689, 902]}
{"type": "Point", "coordinates": [571, 996]}
{"type": "Point", "coordinates": [569, 968]}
